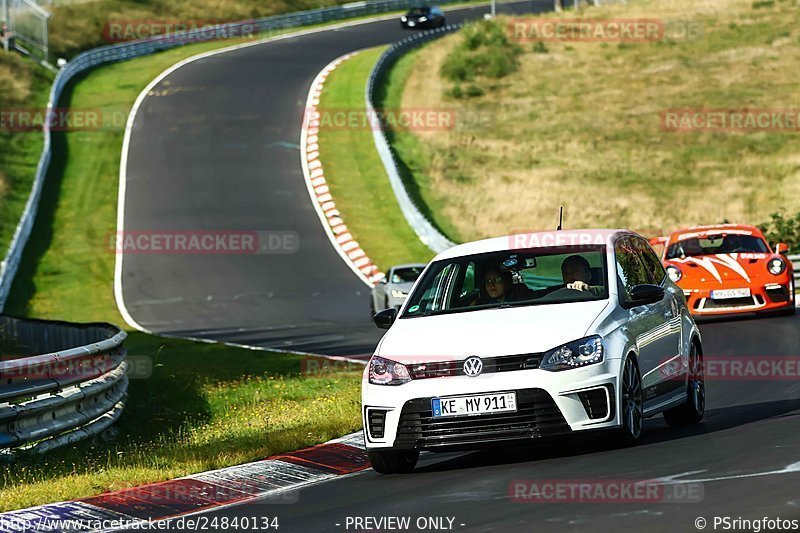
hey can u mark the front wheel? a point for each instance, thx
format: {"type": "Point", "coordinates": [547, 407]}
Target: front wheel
{"type": "Point", "coordinates": [631, 404]}
{"type": "Point", "coordinates": [392, 461]}
{"type": "Point", "coordinates": [692, 411]}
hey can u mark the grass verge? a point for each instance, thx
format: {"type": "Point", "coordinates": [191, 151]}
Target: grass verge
{"type": "Point", "coordinates": [356, 176]}
{"type": "Point", "coordinates": [24, 86]}
{"type": "Point", "coordinates": [205, 406]}
{"type": "Point", "coordinates": [580, 125]}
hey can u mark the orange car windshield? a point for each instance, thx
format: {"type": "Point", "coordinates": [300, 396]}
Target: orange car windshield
{"type": "Point", "coordinates": [717, 244]}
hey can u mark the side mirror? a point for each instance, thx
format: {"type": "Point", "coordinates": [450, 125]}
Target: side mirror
{"type": "Point", "coordinates": [646, 294]}
{"type": "Point", "coordinates": [781, 248]}
{"type": "Point", "coordinates": [385, 318]}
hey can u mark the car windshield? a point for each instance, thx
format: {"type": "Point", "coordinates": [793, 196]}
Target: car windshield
{"type": "Point", "coordinates": [419, 11]}
{"type": "Point", "coordinates": [406, 274]}
{"type": "Point", "coordinates": [717, 244]}
{"type": "Point", "coordinates": [510, 279]}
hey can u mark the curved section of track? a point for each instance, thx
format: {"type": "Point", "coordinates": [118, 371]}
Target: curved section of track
{"type": "Point", "coordinates": [214, 146]}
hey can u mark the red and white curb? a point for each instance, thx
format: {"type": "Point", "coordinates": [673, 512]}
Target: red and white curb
{"type": "Point", "coordinates": [332, 220]}
{"type": "Point", "coordinates": [274, 480]}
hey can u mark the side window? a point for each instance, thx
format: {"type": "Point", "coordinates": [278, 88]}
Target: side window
{"type": "Point", "coordinates": [469, 280]}
{"type": "Point", "coordinates": [631, 270]}
{"type": "Point", "coordinates": [434, 297]}
{"type": "Point", "coordinates": [654, 267]}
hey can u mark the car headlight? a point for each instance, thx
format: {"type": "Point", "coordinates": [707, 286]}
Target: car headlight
{"type": "Point", "coordinates": [776, 266]}
{"type": "Point", "coordinates": [404, 18]}
{"type": "Point", "coordinates": [423, 19]}
{"type": "Point", "coordinates": [575, 354]}
{"type": "Point", "coordinates": [385, 372]}
{"type": "Point", "coordinates": [398, 294]}
{"type": "Point", "coordinates": [674, 273]}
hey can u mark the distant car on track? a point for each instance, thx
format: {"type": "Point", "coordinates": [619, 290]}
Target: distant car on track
{"type": "Point", "coordinates": [424, 17]}
{"type": "Point", "coordinates": [500, 344]}
{"type": "Point", "coordinates": [729, 268]}
{"type": "Point", "coordinates": [394, 288]}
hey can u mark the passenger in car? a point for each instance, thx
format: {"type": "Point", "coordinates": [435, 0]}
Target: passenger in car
{"type": "Point", "coordinates": [496, 286]}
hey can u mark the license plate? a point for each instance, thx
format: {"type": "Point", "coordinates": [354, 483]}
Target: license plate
{"type": "Point", "coordinates": [724, 294]}
{"type": "Point", "coordinates": [474, 405]}
{"type": "Point", "coordinates": [412, 23]}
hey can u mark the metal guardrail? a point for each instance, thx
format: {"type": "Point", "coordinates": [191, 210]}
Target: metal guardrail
{"type": "Point", "coordinates": [76, 389]}
{"type": "Point", "coordinates": [424, 229]}
{"type": "Point", "coordinates": [795, 259]}
{"type": "Point", "coordinates": [129, 50]}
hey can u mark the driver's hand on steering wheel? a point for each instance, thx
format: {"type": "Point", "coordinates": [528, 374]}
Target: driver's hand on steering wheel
{"type": "Point", "coordinates": [578, 286]}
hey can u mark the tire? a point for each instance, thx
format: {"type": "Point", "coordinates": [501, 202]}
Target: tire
{"type": "Point", "coordinates": [393, 462]}
{"type": "Point", "coordinates": [631, 405]}
{"type": "Point", "coordinates": [692, 411]}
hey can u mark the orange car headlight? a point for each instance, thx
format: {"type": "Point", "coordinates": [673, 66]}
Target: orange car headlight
{"type": "Point", "coordinates": [776, 266]}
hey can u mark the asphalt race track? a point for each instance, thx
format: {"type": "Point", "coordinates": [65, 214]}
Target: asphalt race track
{"type": "Point", "coordinates": [215, 147]}
{"type": "Point", "coordinates": [733, 460]}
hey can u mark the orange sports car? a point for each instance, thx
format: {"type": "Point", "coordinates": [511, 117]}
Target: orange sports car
{"type": "Point", "coordinates": [729, 268]}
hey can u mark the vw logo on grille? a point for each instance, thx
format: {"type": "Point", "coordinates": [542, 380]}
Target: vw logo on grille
{"type": "Point", "coordinates": [473, 366]}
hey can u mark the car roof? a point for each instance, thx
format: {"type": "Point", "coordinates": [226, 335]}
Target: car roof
{"type": "Point", "coordinates": [697, 231]}
{"type": "Point", "coordinates": [540, 239]}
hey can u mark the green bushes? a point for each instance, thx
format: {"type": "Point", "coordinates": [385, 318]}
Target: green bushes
{"type": "Point", "coordinates": [483, 52]}
{"type": "Point", "coordinates": [782, 228]}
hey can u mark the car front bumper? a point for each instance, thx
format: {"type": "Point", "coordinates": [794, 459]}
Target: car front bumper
{"type": "Point", "coordinates": [772, 296]}
{"type": "Point", "coordinates": [549, 404]}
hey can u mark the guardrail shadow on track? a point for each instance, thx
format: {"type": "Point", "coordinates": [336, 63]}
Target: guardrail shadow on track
{"type": "Point", "coordinates": [62, 383]}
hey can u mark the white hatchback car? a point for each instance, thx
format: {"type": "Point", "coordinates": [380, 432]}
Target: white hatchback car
{"type": "Point", "coordinates": [531, 336]}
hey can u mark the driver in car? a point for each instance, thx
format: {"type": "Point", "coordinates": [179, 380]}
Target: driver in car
{"type": "Point", "coordinates": [577, 274]}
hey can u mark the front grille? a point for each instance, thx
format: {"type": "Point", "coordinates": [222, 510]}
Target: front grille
{"type": "Point", "coordinates": [778, 294]}
{"type": "Point", "coordinates": [505, 363]}
{"type": "Point", "coordinates": [376, 420]}
{"type": "Point", "coordinates": [749, 301]}
{"type": "Point", "coordinates": [595, 403]}
{"type": "Point", "coordinates": [537, 416]}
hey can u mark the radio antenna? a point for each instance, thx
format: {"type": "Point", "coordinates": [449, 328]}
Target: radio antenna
{"type": "Point", "coordinates": [560, 217]}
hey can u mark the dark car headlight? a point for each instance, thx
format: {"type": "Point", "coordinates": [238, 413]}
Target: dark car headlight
{"type": "Point", "coordinates": [385, 372]}
{"type": "Point", "coordinates": [776, 266]}
{"type": "Point", "coordinates": [575, 354]}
